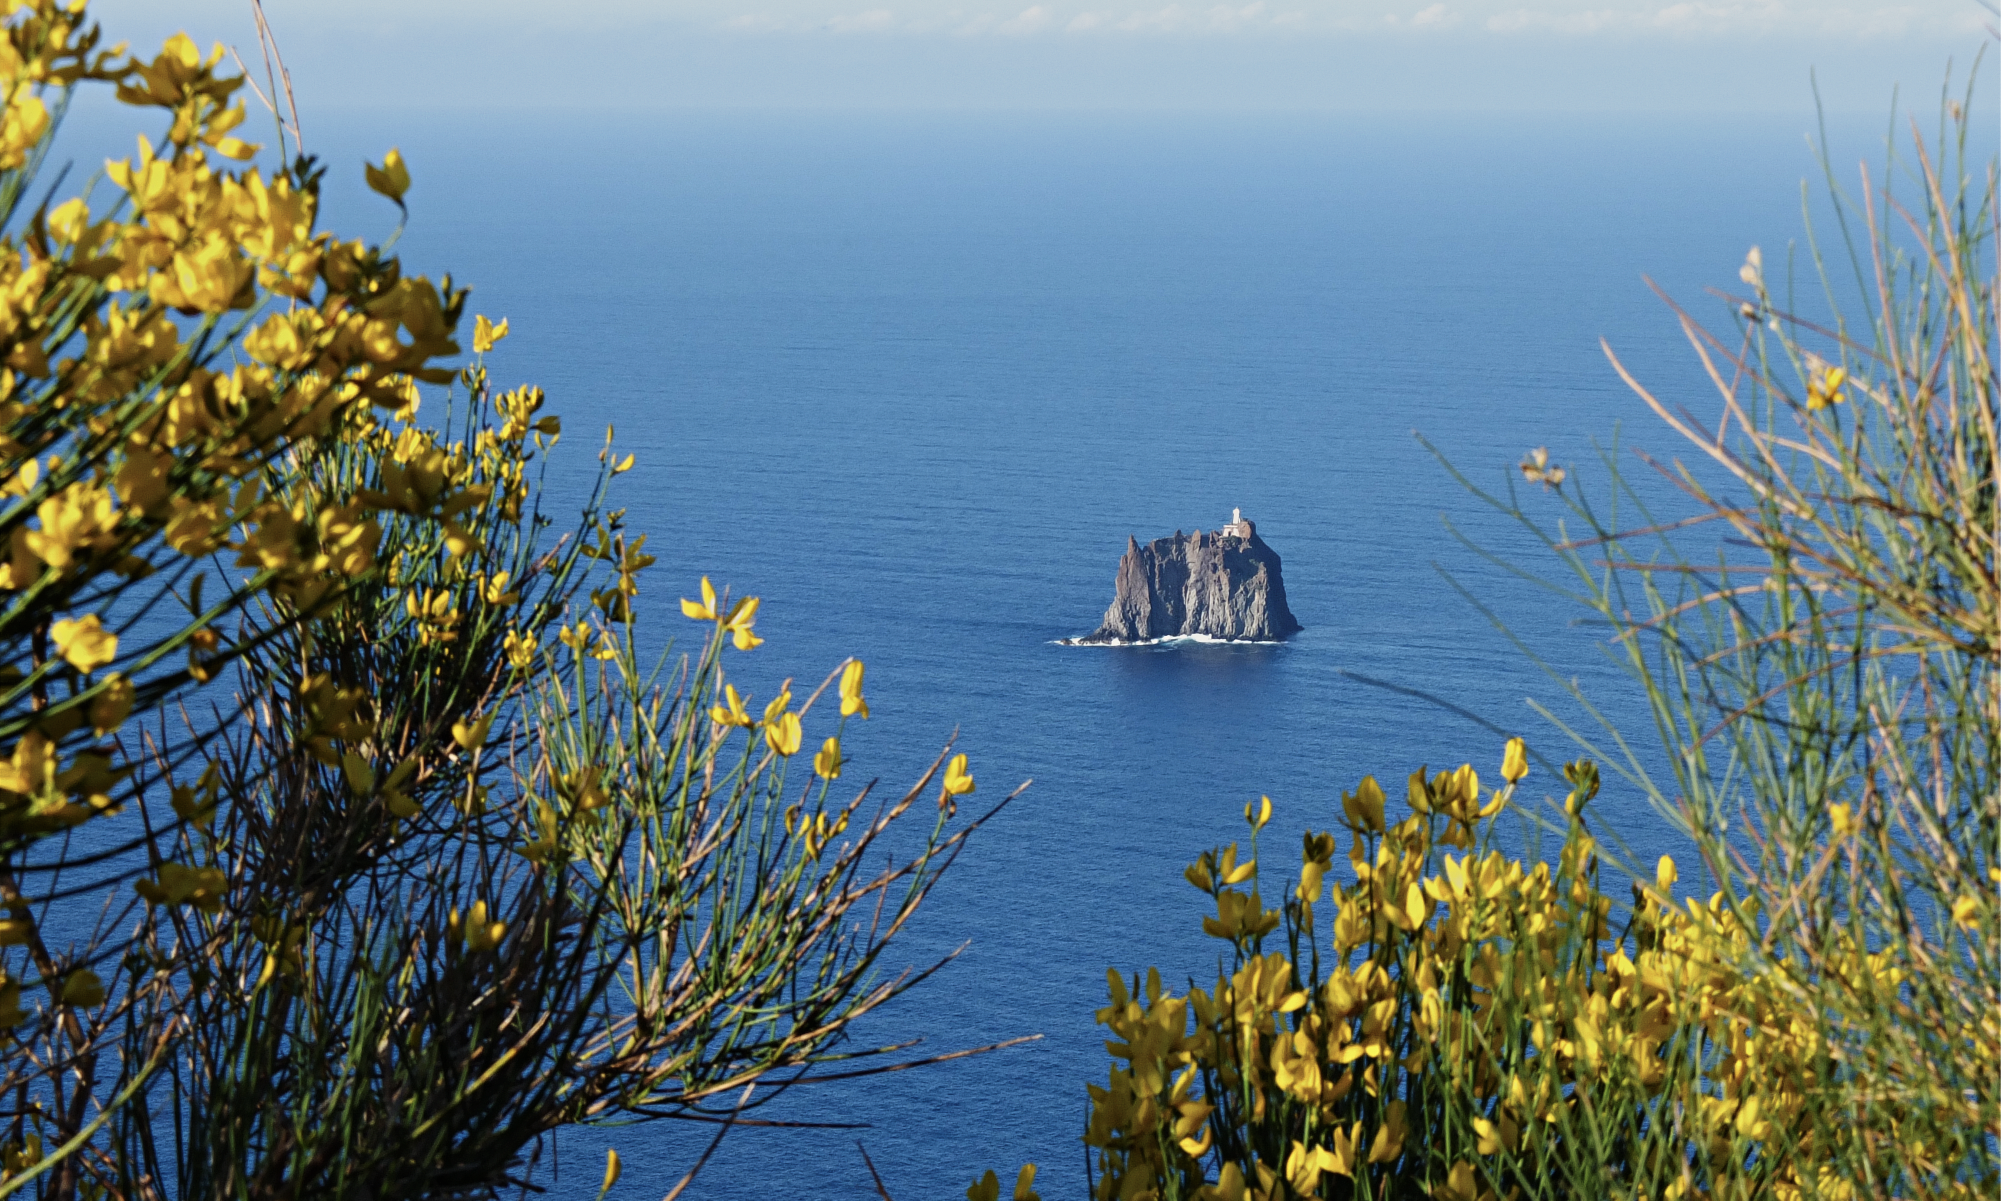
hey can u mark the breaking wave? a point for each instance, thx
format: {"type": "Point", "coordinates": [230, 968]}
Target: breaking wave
{"type": "Point", "coordinates": [1174, 640]}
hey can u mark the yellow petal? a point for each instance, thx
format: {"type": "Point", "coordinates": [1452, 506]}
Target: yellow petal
{"type": "Point", "coordinates": [778, 704]}
{"type": "Point", "coordinates": [958, 781]}
{"type": "Point", "coordinates": [485, 333]}
{"type": "Point", "coordinates": [84, 643]}
{"type": "Point", "coordinates": [1024, 1184]}
{"type": "Point", "coordinates": [852, 702]}
{"type": "Point", "coordinates": [827, 763]}
{"type": "Point", "coordinates": [1369, 795]}
{"type": "Point", "coordinates": [359, 772]}
{"type": "Point", "coordinates": [392, 178]}
{"type": "Point", "coordinates": [472, 735]}
{"type": "Point", "coordinates": [783, 735]}
{"type": "Point", "coordinates": [83, 988]}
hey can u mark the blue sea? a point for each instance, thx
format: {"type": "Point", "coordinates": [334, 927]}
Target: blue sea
{"type": "Point", "coordinates": [913, 380]}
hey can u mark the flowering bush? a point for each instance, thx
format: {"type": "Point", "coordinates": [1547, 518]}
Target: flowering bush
{"type": "Point", "coordinates": [346, 848]}
{"type": "Point", "coordinates": [1468, 1027]}
{"type": "Point", "coordinates": [1824, 681]}
{"type": "Point", "coordinates": [1464, 1027]}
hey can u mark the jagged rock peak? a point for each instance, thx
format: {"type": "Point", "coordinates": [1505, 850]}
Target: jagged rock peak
{"type": "Point", "coordinates": [1222, 585]}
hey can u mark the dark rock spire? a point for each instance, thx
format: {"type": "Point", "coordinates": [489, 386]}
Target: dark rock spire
{"type": "Point", "coordinates": [1223, 585]}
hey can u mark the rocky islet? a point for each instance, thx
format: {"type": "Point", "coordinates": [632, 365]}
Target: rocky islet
{"type": "Point", "coordinates": [1224, 585]}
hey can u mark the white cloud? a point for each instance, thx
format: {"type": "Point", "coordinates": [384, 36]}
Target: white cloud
{"type": "Point", "coordinates": [875, 20]}
{"type": "Point", "coordinates": [1722, 18]}
{"type": "Point", "coordinates": [1435, 17]}
{"type": "Point", "coordinates": [1175, 18]}
{"type": "Point", "coordinates": [1225, 17]}
{"type": "Point", "coordinates": [1029, 20]}
{"type": "Point", "coordinates": [1166, 20]}
{"type": "Point", "coordinates": [1523, 20]}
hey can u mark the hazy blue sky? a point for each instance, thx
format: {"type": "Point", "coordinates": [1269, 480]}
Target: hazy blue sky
{"type": "Point", "coordinates": [1392, 54]}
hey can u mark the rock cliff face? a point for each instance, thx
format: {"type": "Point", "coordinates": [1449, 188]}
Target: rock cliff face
{"type": "Point", "coordinates": [1224, 584]}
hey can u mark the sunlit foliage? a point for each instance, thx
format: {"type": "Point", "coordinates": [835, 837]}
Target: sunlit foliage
{"type": "Point", "coordinates": [346, 847]}
{"type": "Point", "coordinates": [1826, 1021]}
{"type": "Point", "coordinates": [1453, 1023]}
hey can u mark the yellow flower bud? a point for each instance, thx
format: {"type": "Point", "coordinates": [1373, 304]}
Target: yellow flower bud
{"type": "Point", "coordinates": [827, 763]}
{"type": "Point", "coordinates": [783, 734]}
{"type": "Point", "coordinates": [1364, 807]}
{"type": "Point", "coordinates": [471, 735]}
{"type": "Point", "coordinates": [852, 703]}
{"type": "Point", "coordinates": [392, 178]}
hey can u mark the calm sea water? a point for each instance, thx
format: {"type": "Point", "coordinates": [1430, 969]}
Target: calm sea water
{"type": "Point", "coordinates": [913, 381]}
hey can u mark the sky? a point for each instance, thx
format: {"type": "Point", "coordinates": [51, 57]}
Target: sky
{"type": "Point", "coordinates": [1403, 55]}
